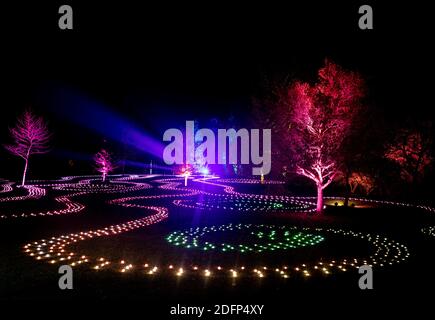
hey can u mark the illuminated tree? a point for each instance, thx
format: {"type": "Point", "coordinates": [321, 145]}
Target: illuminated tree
{"type": "Point", "coordinates": [361, 180]}
{"type": "Point", "coordinates": [361, 159]}
{"type": "Point", "coordinates": [313, 121]}
{"type": "Point", "coordinates": [411, 151]}
{"type": "Point", "coordinates": [364, 181]}
{"type": "Point", "coordinates": [30, 136]}
{"type": "Point", "coordinates": [103, 163]}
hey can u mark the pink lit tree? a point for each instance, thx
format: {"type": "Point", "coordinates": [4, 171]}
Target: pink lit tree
{"type": "Point", "coordinates": [103, 163]}
{"type": "Point", "coordinates": [411, 151]}
{"type": "Point", "coordinates": [359, 180]}
{"type": "Point", "coordinates": [30, 136]}
{"type": "Point", "coordinates": [313, 121]}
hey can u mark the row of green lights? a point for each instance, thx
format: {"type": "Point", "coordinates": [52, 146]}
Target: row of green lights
{"type": "Point", "coordinates": [281, 238]}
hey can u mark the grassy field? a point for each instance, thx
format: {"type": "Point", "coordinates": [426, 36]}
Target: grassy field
{"type": "Point", "coordinates": [25, 279]}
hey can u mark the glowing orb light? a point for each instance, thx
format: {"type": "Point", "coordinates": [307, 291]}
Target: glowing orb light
{"type": "Point", "coordinates": [204, 171]}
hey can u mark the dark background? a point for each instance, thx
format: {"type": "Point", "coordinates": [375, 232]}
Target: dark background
{"type": "Point", "coordinates": [159, 65]}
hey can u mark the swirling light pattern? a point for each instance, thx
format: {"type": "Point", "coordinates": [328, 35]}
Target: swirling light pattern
{"type": "Point", "coordinates": [6, 187]}
{"type": "Point", "coordinates": [33, 192]}
{"type": "Point", "coordinates": [248, 204]}
{"type": "Point", "coordinates": [81, 188]}
{"type": "Point", "coordinates": [385, 252]}
{"type": "Point", "coordinates": [308, 201]}
{"type": "Point", "coordinates": [248, 181]}
{"type": "Point", "coordinates": [54, 249]}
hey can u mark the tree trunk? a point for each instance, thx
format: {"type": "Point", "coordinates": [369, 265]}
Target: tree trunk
{"type": "Point", "coordinates": [24, 173]}
{"type": "Point", "coordinates": [346, 200]}
{"type": "Point", "coordinates": [348, 190]}
{"type": "Point", "coordinates": [319, 199]}
{"type": "Point", "coordinates": [104, 177]}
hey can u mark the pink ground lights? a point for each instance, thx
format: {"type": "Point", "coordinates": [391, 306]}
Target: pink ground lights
{"type": "Point", "coordinates": [57, 249]}
{"type": "Point", "coordinates": [71, 192]}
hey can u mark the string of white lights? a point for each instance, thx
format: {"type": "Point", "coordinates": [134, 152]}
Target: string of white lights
{"type": "Point", "coordinates": [33, 192]}
{"type": "Point", "coordinates": [6, 187]}
{"type": "Point", "coordinates": [81, 188]}
{"type": "Point", "coordinates": [386, 252]}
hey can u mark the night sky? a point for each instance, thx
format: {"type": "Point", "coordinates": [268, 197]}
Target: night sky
{"type": "Point", "coordinates": [157, 67]}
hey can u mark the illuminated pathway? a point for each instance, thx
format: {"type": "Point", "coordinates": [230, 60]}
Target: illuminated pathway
{"type": "Point", "coordinates": [81, 188]}
{"type": "Point", "coordinates": [235, 203]}
{"type": "Point", "coordinates": [54, 249]}
{"type": "Point", "coordinates": [384, 252]}
{"type": "Point", "coordinates": [248, 202]}
{"type": "Point", "coordinates": [6, 187]}
{"type": "Point", "coordinates": [33, 192]}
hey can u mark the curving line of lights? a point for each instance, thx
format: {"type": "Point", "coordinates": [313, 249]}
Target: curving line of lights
{"type": "Point", "coordinates": [67, 178]}
{"type": "Point", "coordinates": [6, 187]}
{"type": "Point", "coordinates": [55, 249]}
{"type": "Point", "coordinates": [83, 187]}
{"type": "Point", "coordinates": [307, 200]}
{"type": "Point", "coordinates": [33, 192]}
{"type": "Point", "coordinates": [386, 252]}
{"type": "Point", "coordinates": [244, 204]}
{"type": "Point", "coordinates": [168, 184]}
{"type": "Point", "coordinates": [248, 181]}
{"type": "Point", "coordinates": [307, 204]}
{"type": "Point", "coordinates": [173, 184]}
